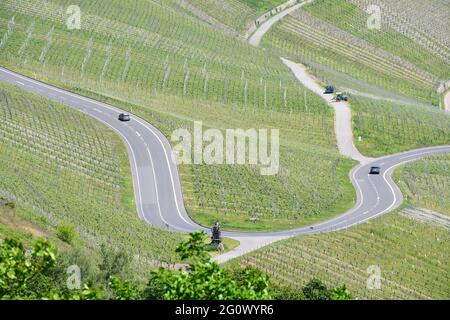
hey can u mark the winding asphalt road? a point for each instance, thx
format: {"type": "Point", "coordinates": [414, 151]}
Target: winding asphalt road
{"type": "Point", "coordinates": [156, 181]}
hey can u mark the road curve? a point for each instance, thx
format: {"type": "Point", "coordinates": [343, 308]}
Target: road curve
{"type": "Point", "coordinates": [157, 187]}
{"type": "Point", "coordinates": [376, 195]}
{"type": "Point", "coordinates": [156, 181]}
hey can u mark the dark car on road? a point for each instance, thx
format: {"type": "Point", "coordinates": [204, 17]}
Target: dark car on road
{"type": "Point", "coordinates": [375, 170]}
{"type": "Point", "coordinates": [124, 117]}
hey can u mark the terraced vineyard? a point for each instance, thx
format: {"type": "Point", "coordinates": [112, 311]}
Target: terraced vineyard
{"type": "Point", "coordinates": [387, 128]}
{"type": "Point", "coordinates": [411, 256]}
{"type": "Point", "coordinates": [426, 183]}
{"type": "Point", "coordinates": [421, 22]}
{"type": "Point", "coordinates": [143, 48]}
{"type": "Point", "coordinates": [170, 68]}
{"type": "Point", "coordinates": [335, 34]}
{"type": "Point", "coordinates": [59, 166]}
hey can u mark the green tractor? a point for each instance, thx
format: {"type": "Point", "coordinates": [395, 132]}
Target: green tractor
{"type": "Point", "coordinates": [340, 97]}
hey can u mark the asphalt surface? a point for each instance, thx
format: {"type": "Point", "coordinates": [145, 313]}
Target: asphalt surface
{"type": "Point", "coordinates": [156, 181]}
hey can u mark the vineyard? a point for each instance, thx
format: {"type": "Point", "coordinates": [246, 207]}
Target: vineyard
{"type": "Point", "coordinates": [173, 62]}
{"type": "Point", "coordinates": [142, 48]}
{"type": "Point", "coordinates": [412, 259]}
{"type": "Point", "coordinates": [334, 34]}
{"type": "Point", "coordinates": [231, 16]}
{"type": "Point", "coordinates": [426, 183]}
{"type": "Point", "coordinates": [168, 67]}
{"type": "Point", "coordinates": [59, 166]}
{"type": "Point", "coordinates": [387, 128]}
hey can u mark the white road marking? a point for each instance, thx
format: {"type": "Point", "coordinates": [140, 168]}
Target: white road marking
{"type": "Point", "coordinates": [351, 211]}
{"type": "Point", "coordinates": [156, 186]}
{"type": "Point", "coordinates": [416, 156]}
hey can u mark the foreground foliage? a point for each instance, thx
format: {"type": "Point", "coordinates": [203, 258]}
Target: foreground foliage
{"type": "Point", "coordinates": [205, 279]}
{"type": "Point", "coordinates": [41, 274]}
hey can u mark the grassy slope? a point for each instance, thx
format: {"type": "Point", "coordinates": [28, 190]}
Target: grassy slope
{"type": "Point", "coordinates": [236, 14]}
{"type": "Point", "coordinates": [262, 6]}
{"type": "Point", "coordinates": [426, 183]}
{"type": "Point", "coordinates": [59, 165]}
{"type": "Point", "coordinates": [387, 128]}
{"type": "Point", "coordinates": [176, 70]}
{"type": "Point", "coordinates": [412, 258]}
{"type": "Point", "coordinates": [12, 226]}
{"type": "Point", "coordinates": [348, 17]}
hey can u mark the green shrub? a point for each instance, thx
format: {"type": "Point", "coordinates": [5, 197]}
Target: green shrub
{"type": "Point", "coordinates": [206, 279]}
{"type": "Point", "coordinates": [316, 290]}
{"type": "Point", "coordinates": [66, 232]}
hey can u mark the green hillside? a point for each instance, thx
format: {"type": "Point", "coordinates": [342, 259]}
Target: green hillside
{"type": "Point", "coordinates": [411, 256]}
{"type": "Point", "coordinates": [233, 16]}
{"type": "Point", "coordinates": [172, 69]}
{"type": "Point", "coordinates": [58, 167]}
{"type": "Point", "coordinates": [426, 183]}
{"type": "Point", "coordinates": [404, 59]}
{"type": "Point", "coordinates": [66, 177]}
{"type": "Point", "coordinates": [387, 127]}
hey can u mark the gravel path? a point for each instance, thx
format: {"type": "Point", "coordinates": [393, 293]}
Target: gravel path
{"type": "Point", "coordinates": [256, 37]}
{"type": "Point", "coordinates": [343, 130]}
{"type": "Point", "coordinates": [447, 101]}
{"type": "Point", "coordinates": [247, 244]}
{"type": "Point", "coordinates": [343, 115]}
